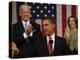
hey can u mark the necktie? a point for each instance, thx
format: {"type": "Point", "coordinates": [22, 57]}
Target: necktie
{"type": "Point", "coordinates": [25, 25]}
{"type": "Point", "coordinates": [50, 49]}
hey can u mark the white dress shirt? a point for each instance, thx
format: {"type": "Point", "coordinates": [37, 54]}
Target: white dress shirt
{"type": "Point", "coordinates": [24, 23]}
{"type": "Point", "coordinates": [52, 38]}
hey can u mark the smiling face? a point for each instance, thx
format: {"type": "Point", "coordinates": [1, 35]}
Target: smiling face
{"type": "Point", "coordinates": [24, 12]}
{"type": "Point", "coordinates": [72, 23]}
{"type": "Point", "coordinates": [48, 27]}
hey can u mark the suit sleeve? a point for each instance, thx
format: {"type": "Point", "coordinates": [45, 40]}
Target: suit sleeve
{"type": "Point", "coordinates": [17, 36]}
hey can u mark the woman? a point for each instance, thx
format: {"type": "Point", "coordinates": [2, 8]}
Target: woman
{"type": "Point", "coordinates": [71, 34]}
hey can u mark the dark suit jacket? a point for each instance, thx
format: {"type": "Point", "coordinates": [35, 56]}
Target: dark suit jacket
{"type": "Point", "coordinates": [36, 27]}
{"type": "Point", "coordinates": [60, 47]}
{"type": "Point", "coordinates": [26, 47]}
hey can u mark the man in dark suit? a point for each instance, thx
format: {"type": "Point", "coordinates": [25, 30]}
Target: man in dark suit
{"type": "Point", "coordinates": [50, 44]}
{"type": "Point", "coordinates": [23, 35]}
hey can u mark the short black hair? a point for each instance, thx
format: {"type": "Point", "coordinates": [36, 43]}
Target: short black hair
{"type": "Point", "coordinates": [75, 20]}
{"type": "Point", "coordinates": [52, 20]}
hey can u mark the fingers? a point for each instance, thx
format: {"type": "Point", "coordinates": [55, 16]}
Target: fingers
{"type": "Point", "coordinates": [13, 44]}
{"type": "Point", "coordinates": [29, 29]}
{"type": "Point", "coordinates": [15, 50]}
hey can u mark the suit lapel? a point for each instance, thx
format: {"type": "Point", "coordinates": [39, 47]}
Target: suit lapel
{"type": "Point", "coordinates": [45, 46]}
{"type": "Point", "coordinates": [21, 27]}
{"type": "Point", "coordinates": [45, 42]}
{"type": "Point", "coordinates": [57, 46]}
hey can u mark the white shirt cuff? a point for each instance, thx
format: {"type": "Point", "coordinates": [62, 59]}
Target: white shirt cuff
{"type": "Point", "coordinates": [25, 35]}
{"type": "Point", "coordinates": [31, 34]}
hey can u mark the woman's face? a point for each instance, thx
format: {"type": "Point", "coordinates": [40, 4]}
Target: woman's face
{"type": "Point", "coordinates": [72, 23]}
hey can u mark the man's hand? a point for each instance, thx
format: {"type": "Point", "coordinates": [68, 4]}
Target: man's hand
{"type": "Point", "coordinates": [28, 30]}
{"type": "Point", "coordinates": [15, 50]}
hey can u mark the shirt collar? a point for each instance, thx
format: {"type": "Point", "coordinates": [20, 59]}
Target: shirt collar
{"type": "Point", "coordinates": [23, 22]}
{"type": "Point", "coordinates": [52, 38]}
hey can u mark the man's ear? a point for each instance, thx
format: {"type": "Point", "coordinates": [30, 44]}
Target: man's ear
{"type": "Point", "coordinates": [54, 25]}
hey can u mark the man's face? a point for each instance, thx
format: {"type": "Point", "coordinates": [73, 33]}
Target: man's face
{"type": "Point", "coordinates": [48, 27]}
{"type": "Point", "coordinates": [72, 23]}
{"type": "Point", "coordinates": [25, 13]}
